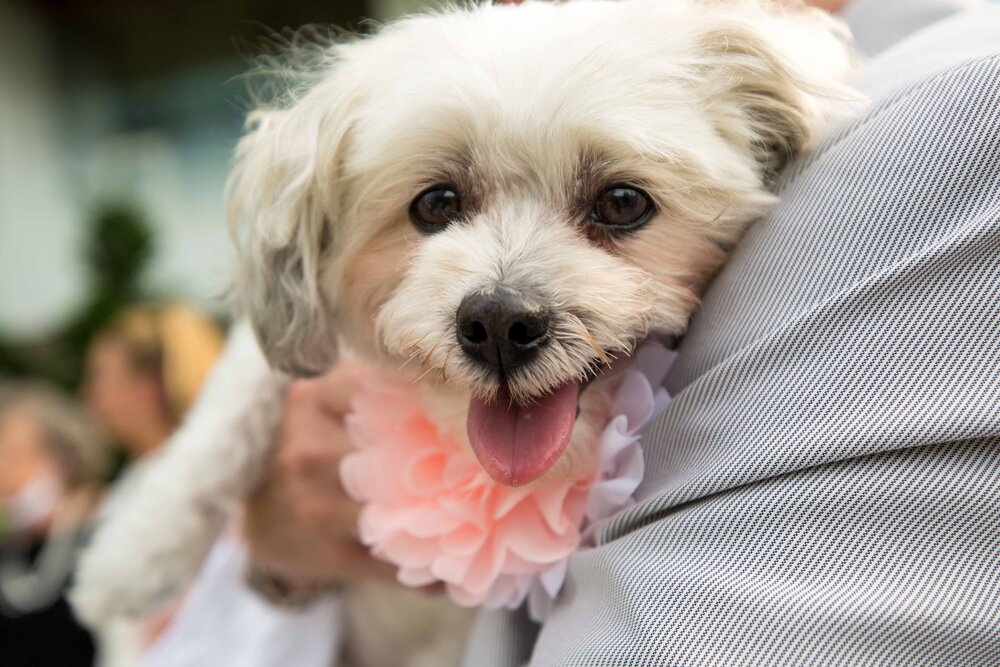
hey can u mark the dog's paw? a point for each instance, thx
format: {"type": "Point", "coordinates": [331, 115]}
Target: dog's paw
{"type": "Point", "coordinates": [143, 554]}
{"type": "Point", "coordinates": [115, 583]}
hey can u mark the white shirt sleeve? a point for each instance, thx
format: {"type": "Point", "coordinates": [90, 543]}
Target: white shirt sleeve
{"type": "Point", "coordinates": [223, 623]}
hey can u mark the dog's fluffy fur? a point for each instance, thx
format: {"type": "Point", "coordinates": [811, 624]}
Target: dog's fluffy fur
{"type": "Point", "coordinates": [530, 112]}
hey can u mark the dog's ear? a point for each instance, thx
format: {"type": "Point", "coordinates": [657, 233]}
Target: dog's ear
{"type": "Point", "coordinates": [775, 76]}
{"type": "Point", "coordinates": [284, 208]}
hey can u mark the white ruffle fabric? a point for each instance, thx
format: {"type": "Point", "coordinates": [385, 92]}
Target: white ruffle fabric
{"type": "Point", "coordinates": [639, 399]}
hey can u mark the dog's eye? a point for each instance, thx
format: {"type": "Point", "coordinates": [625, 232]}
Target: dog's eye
{"type": "Point", "coordinates": [622, 208]}
{"type": "Point", "coordinates": [435, 209]}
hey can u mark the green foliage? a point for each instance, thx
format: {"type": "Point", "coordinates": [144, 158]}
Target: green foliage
{"type": "Point", "coordinates": [118, 246]}
{"type": "Point", "coordinates": [117, 250]}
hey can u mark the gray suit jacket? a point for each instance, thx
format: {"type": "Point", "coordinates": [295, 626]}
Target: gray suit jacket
{"type": "Point", "coordinates": [825, 487]}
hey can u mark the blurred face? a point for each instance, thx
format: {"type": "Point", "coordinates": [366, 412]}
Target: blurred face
{"type": "Point", "coordinates": [23, 454]}
{"type": "Point", "coordinates": [123, 399]}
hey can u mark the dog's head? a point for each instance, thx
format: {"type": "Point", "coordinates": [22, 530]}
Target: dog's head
{"type": "Point", "coordinates": [508, 199]}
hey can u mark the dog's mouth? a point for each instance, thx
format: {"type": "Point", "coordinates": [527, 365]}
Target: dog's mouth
{"type": "Point", "coordinates": [516, 444]}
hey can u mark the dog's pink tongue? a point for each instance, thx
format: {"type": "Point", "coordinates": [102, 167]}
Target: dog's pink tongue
{"type": "Point", "coordinates": [518, 444]}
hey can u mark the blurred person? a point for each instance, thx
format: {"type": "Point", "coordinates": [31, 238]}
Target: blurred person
{"type": "Point", "coordinates": [143, 371]}
{"type": "Point", "coordinates": [52, 465]}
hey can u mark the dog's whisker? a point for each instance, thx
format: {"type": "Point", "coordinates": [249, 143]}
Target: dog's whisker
{"type": "Point", "coordinates": [423, 375]}
{"type": "Point", "coordinates": [423, 361]}
{"type": "Point", "coordinates": [414, 349]}
{"type": "Point", "coordinates": [585, 334]}
{"type": "Point", "coordinates": [444, 367]}
{"type": "Point", "coordinates": [410, 358]}
{"type": "Point", "coordinates": [622, 346]}
{"type": "Point", "coordinates": [420, 340]}
{"type": "Point", "coordinates": [430, 353]}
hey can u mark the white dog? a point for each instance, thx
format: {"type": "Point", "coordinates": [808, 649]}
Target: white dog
{"type": "Point", "coordinates": [512, 198]}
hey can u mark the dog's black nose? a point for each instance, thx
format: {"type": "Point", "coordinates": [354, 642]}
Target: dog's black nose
{"type": "Point", "coordinates": [501, 328]}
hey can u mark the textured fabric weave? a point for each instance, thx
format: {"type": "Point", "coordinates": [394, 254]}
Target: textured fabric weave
{"type": "Point", "coordinates": [825, 488]}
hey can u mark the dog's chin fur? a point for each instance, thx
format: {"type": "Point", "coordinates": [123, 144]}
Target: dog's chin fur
{"type": "Point", "coordinates": [529, 112]}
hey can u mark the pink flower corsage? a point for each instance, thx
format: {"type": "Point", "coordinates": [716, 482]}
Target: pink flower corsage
{"type": "Point", "coordinates": [430, 509]}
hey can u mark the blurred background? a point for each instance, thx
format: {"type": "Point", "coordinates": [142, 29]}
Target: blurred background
{"type": "Point", "coordinates": [117, 120]}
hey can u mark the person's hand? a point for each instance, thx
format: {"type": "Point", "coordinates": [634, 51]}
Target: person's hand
{"type": "Point", "coordinates": [300, 525]}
